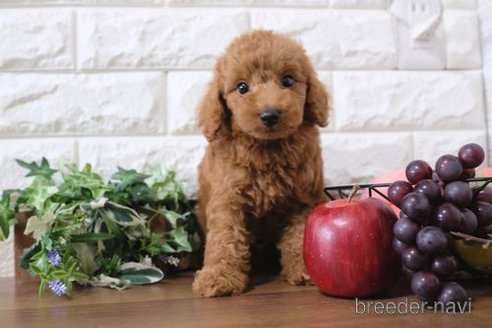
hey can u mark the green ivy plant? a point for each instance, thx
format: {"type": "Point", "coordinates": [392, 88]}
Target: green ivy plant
{"type": "Point", "coordinates": [92, 232]}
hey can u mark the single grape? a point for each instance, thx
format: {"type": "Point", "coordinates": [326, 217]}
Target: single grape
{"type": "Point", "coordinates": [430, 189]}
{"type": "Point", "coordinates": [469, 221]}
{"type": "Point", "coordinates": [399, 246]}
{"type": "Point", "coordinates": [484, 195]}
{"type": "Point", "coordinates": [444, 266]}
{"type": "Point", "coordinates": [483, 211]}
{"type": "Point", "coordinates": [468, 174]}
{"type": "Point", "coordinates": [397, 190]}
{"type": "Point", "coordinates": [449, 168]}
{"type": "Point", "coordinates": [419, 220]}
{"type": "Point", "coordinates": [426, 285]}
{"type": "Point", "coordinates": [432, 241]}
{"type": "Point", "coordinates": [413, 259]}
{"type": "Point", "coordinates": [405, 230]}
{"type": "Point", "coordinates": [471, 155]}
{"type": "Point", "coordinates": [416, 206]}
{"type": "Point", "coordinates": [448, 217]}
{"type": "Point", "coordinates": [459, 193]}
{"type": "Point", "coordinates": [453, 292]}
{"type": "Point", "coordinates": [418, 170]}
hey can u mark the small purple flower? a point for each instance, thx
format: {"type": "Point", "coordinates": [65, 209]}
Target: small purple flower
{"type": "Point", "coordinates": [54, 257]}
{"type": "Point", "coordinates": [58, 287]}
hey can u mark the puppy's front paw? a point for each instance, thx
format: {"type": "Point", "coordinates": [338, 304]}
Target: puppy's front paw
{"type": "Point", "coordinates": [295, 276]}
{"type": "Point", "coordinates": [219, 281]}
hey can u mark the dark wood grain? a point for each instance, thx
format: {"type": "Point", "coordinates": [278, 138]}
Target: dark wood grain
{"type": "Point", "coordinates": [270, 303]}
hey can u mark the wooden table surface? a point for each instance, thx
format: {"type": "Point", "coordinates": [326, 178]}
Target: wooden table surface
{"type": "Point", "coordinates": [269, 303]}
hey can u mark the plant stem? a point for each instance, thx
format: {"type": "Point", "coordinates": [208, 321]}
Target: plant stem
{"type": "Point", "coordinates": [486, 242]}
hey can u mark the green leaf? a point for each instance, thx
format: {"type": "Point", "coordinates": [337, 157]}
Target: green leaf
{"type": "Point", "coordinates": [151, 244]}
{"type": "Point", "coordinates": [127, 178]}
{"type": "Point", "coordinates": [41, 264]}
{"type": "Point", "coordinates": [171, 216]}
{"type": "Point", "coordinates": [38, 227]}
{"type": "Point", "coordinates": [46, 242]}
{"type": "Point", "coordinates": [29, 254]}
{"type": "Point", "coordinates": [180, 237]}
{"type": "Point", "coordinates": [69, 287]}
{"type": "Point", "coordinates": [113, 227]}
{"type": "Point", "coordinates": [122, 215]}
{"type": "Point", "coordinates": [73, 267]}
{"type": "Point", "coordinates": [43, 170]}
{"type": "Point", "coordinates": [36, 270]}
{"type": "Point", "coordinates": [141, 277]}
{"type": "Point", "coordinates": [140, 274]}
{"type": "Point", "coordinates": [166, 248]}
{"type": "Point", "coordinates": [59, 273]}
{"type": "Point", "coordinates": [82, 184]}
{"type": "Point", "coordinates": [7, 213]}
{"type": "Point", "coordinates": [80, 277]}
{"type": "Point", "coordinates": [37, 194]}
{"type": "Point", "coordinates": [87, 257]}
{"type": "Point", "coordinates": [90, 237]}
{"type": "Point", "coordinates": [38, 255]}
{"type": "Point", "coordinates": [110, 265]}
{"type": "Point", "coordinates": [140, 194]}
{"type": "Point", "coordinates": [166, 187]}
{"type": "Point", "coordinates": [5, 219]}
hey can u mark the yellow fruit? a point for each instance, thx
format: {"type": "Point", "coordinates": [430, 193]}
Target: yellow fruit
{"type": "Point", "coordinates": [474, 254]}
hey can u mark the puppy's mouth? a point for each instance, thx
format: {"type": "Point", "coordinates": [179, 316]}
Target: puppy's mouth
{"type": "Point", "coordinates": [279, 131]}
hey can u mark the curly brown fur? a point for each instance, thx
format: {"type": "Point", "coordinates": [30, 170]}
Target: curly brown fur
{"type": "Point", "coordinates": [258, 183]}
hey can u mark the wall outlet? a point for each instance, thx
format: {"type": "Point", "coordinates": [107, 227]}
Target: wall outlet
{"type": "Point", "coordinates": [424, 17]}
{"type": "Point", "coordinates": [421, 40]}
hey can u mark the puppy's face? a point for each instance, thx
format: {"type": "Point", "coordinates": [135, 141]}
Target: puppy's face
{"type": "Point", "coordinates": [265, 86]}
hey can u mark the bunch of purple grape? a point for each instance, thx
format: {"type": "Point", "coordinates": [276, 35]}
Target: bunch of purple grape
{"type": "Point", "coordinates": [432, 204]}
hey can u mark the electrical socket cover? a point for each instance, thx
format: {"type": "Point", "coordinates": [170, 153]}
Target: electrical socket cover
{"type": "Point", "coordinates": [421, 38]}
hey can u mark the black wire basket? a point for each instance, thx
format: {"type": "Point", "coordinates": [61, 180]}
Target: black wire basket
{"type": "Point", "coordinates": [474, 253]}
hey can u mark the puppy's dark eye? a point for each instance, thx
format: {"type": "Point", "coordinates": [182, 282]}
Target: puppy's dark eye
{"type": "Point", "coordinates": [287, 81]}
{"type": "Point", "coordinates": [242, 88]}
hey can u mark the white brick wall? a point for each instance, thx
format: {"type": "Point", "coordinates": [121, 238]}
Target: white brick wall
{"type": "Point", "coordinates": [117, 82]}
{"type": "Point", "coordinates": [155, 38]}
{"type": "Point", "coordinates": [82, 104]}
{"type": "Point", "coordinates": [399, 100]}
{"type": "Point", "coordinates": [32, 39]}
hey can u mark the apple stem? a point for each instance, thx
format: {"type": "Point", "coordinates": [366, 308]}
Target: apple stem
{"type": "Point", "coordinates": [354, 191]}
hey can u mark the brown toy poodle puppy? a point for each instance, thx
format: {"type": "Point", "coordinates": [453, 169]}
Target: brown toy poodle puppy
{"type": "Point", "coordinates": [262, 171]}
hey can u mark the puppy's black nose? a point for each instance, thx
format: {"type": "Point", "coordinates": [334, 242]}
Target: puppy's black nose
{"type": "Point", "coordinates": [269, 117]}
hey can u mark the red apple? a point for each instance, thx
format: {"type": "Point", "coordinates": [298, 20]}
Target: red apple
{"type": "Point", "coordinates": [348, 248]}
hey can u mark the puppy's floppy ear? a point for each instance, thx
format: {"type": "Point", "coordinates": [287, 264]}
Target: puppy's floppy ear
{"type": "Point", "coordinates": [316, 108]}
{"type": "Point", "coordinates": [212, 112]}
